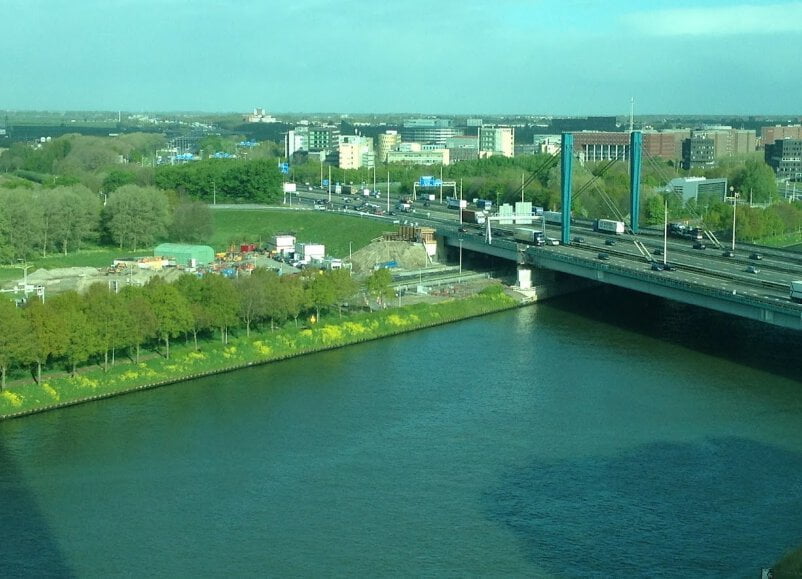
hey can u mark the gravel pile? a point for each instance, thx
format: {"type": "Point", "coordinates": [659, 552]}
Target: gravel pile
{"type": "Point", "coordinates": [406, 254]}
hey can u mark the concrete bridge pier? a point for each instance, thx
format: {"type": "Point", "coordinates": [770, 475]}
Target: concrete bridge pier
{"type": "Point", "coordinates": [539, 284]}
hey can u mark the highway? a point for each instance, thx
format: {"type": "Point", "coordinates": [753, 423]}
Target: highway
{"type": "Point", "coordinates": [766, 279]}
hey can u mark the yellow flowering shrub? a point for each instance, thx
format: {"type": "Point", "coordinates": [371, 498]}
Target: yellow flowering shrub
{"type": "Point", "coordinates": [354, 328]}
{"type": "Point", "coordinates": [261, 348]}
{"type": "Point", "coordinates": [12, 398]}
{"type": "Point", "coordinates": [396, 320]}
{"type": "Point", "coordinates": [84, 382]}
{"type": "Point", "coordinates": [331, 334]}
{"type": "Point", "coordinates": [50, 391]}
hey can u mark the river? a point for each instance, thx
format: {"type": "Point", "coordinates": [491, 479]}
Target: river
{"type": "Point", "coordinates": [596, 435]}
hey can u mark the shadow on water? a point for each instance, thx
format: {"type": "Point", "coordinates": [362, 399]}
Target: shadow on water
{"type": "Point", "coordinates": [27, 547]}
{"type": "Point", "coordinates": [720, 508]}
{"type": "Point", "coordinates": [762, 346]}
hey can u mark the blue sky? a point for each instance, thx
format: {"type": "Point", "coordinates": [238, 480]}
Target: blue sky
{"type": "Point", "coordinates": [561, 57]}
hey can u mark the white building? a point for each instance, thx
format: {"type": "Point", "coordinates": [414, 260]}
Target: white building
{"type": "Point", "coordinates": [310, 252]}
{"type": "Point", "coordinates": [355, 151]}
{"type": "Point", "coordinates": [496, 141]}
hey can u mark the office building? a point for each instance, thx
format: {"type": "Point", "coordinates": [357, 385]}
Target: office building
{"type": "Point", "coordinates": [355, 152]}
{"type": "Point", "coordinates": [780, 132]}
{"type": "Point", "coordinates": [702, 191]}
{"type": "Point", "coordinates": [428, 131]}
{"type": "Point", "coordinates": [387, 141]}
{"type": "Point", "coordinates": [496, 141]}
{"type": "Point", "coordinates": [785, 157]}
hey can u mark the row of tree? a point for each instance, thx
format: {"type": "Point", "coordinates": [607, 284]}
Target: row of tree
{"type": "Point", "coordinates": [42, 221]}
{"type": "Point", "coordinates": [71, 329]}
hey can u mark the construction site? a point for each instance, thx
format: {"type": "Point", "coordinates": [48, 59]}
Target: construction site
{"type": "Point", "coordinates": [409, 252]}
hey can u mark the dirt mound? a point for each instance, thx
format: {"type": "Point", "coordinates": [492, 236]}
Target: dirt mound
{"type": "Point", "coordinates": [406, 254]}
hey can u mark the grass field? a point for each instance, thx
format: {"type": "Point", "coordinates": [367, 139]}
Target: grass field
{"type": "Point", "coordinates": [336, 231]}
{"type": "Point", "coordinates": [237, 226]}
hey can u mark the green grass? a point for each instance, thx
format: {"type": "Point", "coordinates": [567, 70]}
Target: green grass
{"type": "Point", "coordinates": [787, 240]}
{"type": "Point", "coordinates": [236, 226]}
{"type": "Point", "coordinates": [790, 565]}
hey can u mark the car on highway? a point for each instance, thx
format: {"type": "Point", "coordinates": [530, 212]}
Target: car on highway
{"type": "Point", "coordinates": [578, 239]}
{"type": "Point", "coordinates": [699, 245]}
{"type": "Point", "coordinates": [752, 269]}
{"type": "Point", "coordinates": [657, 266]}
{"type": "Point", "coordinates": [657, 251]}
{"type": "Point", "coordinates": [609, 241]}
{"type": "Point", "coordinates": [728, 253]}
{"type": "Point", "coordinates": [755, 256]}
{"type": "Point", "coordinates": [604, 256]}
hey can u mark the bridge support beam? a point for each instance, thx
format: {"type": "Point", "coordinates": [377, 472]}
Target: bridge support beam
{"type": "Point", "coordinates": [635, 155]}
{"type": "Point", "coordinates": [567, 157]}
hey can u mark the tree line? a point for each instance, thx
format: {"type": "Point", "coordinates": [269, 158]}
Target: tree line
{"type": "Point", "coordinates": [43, 221]}
{"type": "Point", "coordinates": [70, 329]}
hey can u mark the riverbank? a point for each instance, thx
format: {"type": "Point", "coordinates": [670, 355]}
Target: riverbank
{"type": "Point", "coordinates": [789, 566]}
{"type": "Point", "coordinates": [261, 347]}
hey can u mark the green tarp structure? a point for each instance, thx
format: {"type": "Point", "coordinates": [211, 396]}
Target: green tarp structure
{"type": "Point", "coordinates": [183, 254]}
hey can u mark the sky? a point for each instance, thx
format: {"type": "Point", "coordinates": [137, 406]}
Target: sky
{"type": "Point", "coordinates": [465, 57]}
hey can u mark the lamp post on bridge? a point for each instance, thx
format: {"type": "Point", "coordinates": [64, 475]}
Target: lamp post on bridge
{"type": "Point", "coordinates": [734, 195]}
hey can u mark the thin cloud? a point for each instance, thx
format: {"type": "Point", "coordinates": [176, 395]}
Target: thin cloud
{"type": "Point", "coordinates": [720, 21]}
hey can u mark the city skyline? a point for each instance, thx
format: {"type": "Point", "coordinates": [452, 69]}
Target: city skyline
{"type": "Point", "coordinates": [572, 57]}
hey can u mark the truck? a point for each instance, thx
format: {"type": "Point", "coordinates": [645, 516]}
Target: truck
{"type": "Point", "coordinates": [796, 291]}
{"type": "Point", "coordinates": [609, 226]}
{"type": "Point", "coordinates": [484, 204]}
{"type": "Point", "coordinates": [455, 203]}
{"type": "Point", "coordinates": [553, 217]}
{"type": "Point", "coordinates": [471, 216]}
{"type": "Point", "coordinates": [527, 235]}
{"type": "Point", "coordinates": [686, 231]}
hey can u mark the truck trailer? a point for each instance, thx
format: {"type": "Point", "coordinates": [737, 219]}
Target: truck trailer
{"type": "Point", "coordinates": [456, 203]}
{"type": "Point", "coordinates": [526, 235]}
{"type": "Point", "coordinates": [610, 226]}
{"type": "Point", "coordinates": [471, 216]}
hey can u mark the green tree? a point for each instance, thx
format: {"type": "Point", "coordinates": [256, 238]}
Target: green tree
{"type": "Point", "coordinates": [253, 297]}
{"type": "Point", "coordinates": [379, 285]}
{"type": "Point", "coordinates": [756, 182]}
{"type": "Point", "coordinates": [143, 322]}
{"type": "Point", "coordinates": [116, 178]}
{"type": "Point", "coordinates": [192, 222]}
{"type": "Point", "coordinates": [298, 299]}
{"type": "Point", "coordinates": [171, 310]}
{"type": "Point", "coordinates": [136, 216]}
{"type": "Point", "coordinates": [81, 341]}
{"type": "Point", "coordinates": [191, 287]}
{"type": "Point", "coordinates": [220, 298]}
{"type": "Point", "coordinates": [21, 224]}
{"type": "Point", "coordinates": [14, 339]}
{"type": "Point", "coordinates": [110, 320]}
{"type": "Point", "coordinates": [48, 333]}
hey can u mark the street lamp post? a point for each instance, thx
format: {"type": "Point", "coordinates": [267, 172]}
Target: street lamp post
{"type": "Point", "coordinates": [460, 259]}
{"type": "Point", "coordinates": [734, 196]}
